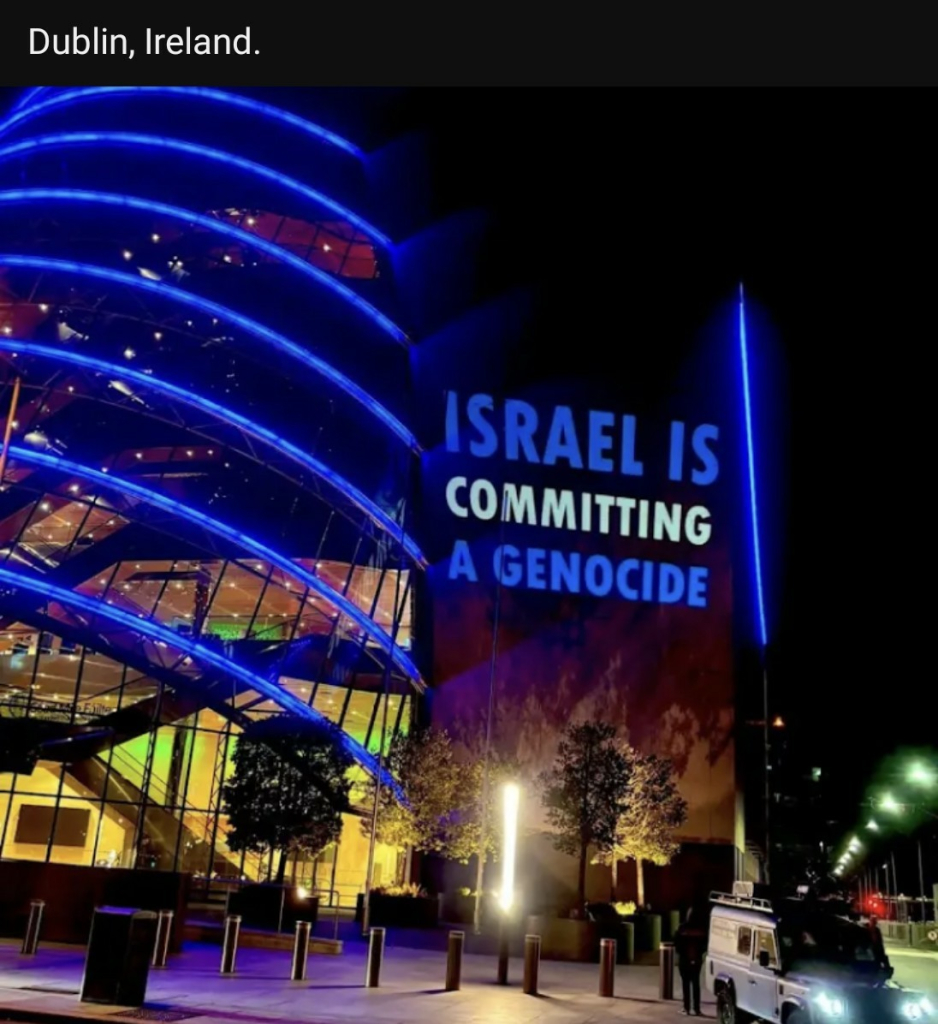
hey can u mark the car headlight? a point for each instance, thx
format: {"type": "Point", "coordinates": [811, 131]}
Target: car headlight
{"type": "Point", "coordinates": [831, 1006]}
{"type": "Point", "coordinates": [917, 1009]}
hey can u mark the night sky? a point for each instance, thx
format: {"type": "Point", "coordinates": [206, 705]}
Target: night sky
{"type": "Point", "coordinates": [823, 203]}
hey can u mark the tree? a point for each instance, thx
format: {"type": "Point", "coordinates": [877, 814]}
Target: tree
{"type": "Point", "coordinates": [585, 793]}
{"type": "Point", "coordinates": [480, 803]}
{"type": "Point", "coordinates": [436, 789]}
{"type": "Point", "coordinates": [289, 788]}
{"type": "Point", "coordinates": [646, 828]}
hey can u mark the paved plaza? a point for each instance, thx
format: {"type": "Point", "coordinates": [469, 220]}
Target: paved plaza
{"type": "Point", "coordinates": [411, 990]}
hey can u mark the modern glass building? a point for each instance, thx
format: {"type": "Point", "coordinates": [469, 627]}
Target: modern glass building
{"type": "Point", "coordinates": [206, 492]}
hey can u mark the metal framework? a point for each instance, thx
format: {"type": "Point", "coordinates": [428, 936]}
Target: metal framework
{"type": "Point", "coordinates": [136, 627]}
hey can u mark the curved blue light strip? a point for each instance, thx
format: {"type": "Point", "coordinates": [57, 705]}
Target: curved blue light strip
{"type": "Point", "coordinates": [30, 108]}
{"type": "Point", "coordinates": [751, 466]}
{"type": "Point", "coordinates": [203, 152]}
{"type": "Point", "coordinates": [257, 548]}
{"type": "Point", "coordinates": [226, 314]}
{"type": "Point", "coordinates": [280, 444]}
{"type": "Point", "coordinates": [212, 224]}
{"type": "Point", "coordinates": [26, 99]}
{"type": "Point", "coordinates": [156, 631]}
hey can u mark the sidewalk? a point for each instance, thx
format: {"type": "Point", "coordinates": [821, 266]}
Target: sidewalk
{"type": "Point", "coordinates": [411, 991]}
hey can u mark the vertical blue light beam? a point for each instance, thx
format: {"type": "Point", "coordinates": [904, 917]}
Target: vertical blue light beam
{"type": "Point", "coordinates": [751, 466]}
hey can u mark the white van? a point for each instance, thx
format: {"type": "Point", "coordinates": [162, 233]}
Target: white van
{"type": "Point", "coordinates": [794, 962]}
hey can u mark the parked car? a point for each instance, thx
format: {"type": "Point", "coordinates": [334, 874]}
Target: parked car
{"type": "Point", "coordinates": [793, 961]}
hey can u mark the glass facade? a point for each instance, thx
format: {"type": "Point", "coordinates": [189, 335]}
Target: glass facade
{"type": "Point", "coordinates": [154, 800]}
{"type": "Point", "coordinates": [126, 738]}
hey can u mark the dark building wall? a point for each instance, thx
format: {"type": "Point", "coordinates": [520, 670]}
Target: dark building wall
{"type": "Point", "coordinates": [662, 673]}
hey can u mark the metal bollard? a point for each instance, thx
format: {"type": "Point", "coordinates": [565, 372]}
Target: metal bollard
{"type": "Point", "coordinates": [229, 948]}
{"type": "Point", "coordinates": [300, 951]}
{"type": "Point", "coordinates": [31, 938]}
{"type": "Point", "coordinates": [607, 968]}
{"type": "Point", "coordinates": [503, 953]}
{"type": "Point", "coordinates": [532, 961]}
{"type": "Point", "coordinates": [454, 949]}
{"type": "Point", "coordinates": [666, 990]}
{"type": "Point", "coordinates": [164, 929]}
{"type": "Point", "coordinates": [375, 956]}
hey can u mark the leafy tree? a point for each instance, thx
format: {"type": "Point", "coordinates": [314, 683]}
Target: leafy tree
{"type": "Point", "coordinates": [435, 787]}
{"type": "Point", "coordinates": [585, 792]}
{"type": "Point", "coordinates": [646, 828]}
{"type": "Point", "coordinates": [289, 788]}
{"type": "Point", "coordinates": [480, 804]}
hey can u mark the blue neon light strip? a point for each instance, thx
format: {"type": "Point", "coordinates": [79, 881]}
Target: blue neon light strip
{"type": "Point", "coordinates": [220, 227]}
{"type": "Point", "coordinates": [155, 631]}
{"type": "Point", "coordinates": [257, 548]}
{"type": "Point", "coordinates": [751, 461]}
{"type": "Point", "coordinates": [202, 152]}
{"type": "Point", "coordinates": [30, 108]}
{"type": "Point", "coordinates": [227, 315]}
{"type": "Point", "coordinates": [28, 98]}
{"type": "Point", "coordinates": [279, 444]}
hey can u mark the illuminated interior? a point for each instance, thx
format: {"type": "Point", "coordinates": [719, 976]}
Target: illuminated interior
{"type": "Point", "coordinates": [134, 736]}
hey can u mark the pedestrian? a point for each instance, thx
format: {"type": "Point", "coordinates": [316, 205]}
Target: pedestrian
{"type": "Point", "coordinates": [690, 943]}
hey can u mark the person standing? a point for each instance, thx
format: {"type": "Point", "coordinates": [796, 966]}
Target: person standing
{"type": "Point", "coordinates": [690, 943]}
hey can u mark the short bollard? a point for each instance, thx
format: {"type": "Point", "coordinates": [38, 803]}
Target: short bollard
{"type": "Point", "coordinates": [164, 929]}
{"type": "Point", "coordinates": [454, 949]}
{"type": "Point", "coordinates": [375, 956]}
{"type": "Point", "coordinates": [532, 962]}
{"type": "Point", "coordinates": [607, 968]}
{"type": "Point", "coordinates": [503, 954]}
{"type": "Point", "coordinates": [667, 970]}
{"type": "Point", "coordinates": [300, 951]}
{"type": "Point", "coordinates": [229, 947]}
{"type": "Point", "coordinates": [31, 938]}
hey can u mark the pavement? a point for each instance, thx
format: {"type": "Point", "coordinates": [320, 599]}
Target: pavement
{"type": "Point", "coordinates": [916, 969]}
{"type": "Point", "coordinates": [45, 988]}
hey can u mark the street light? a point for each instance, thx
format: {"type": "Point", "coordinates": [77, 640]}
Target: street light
{"type": "Point", "coordinates": [512, 800]}
{"type": "Point", "coordinates": [891, 804]}
{"type": "Point", "coordinates": [872, 825]}
{"type": "Point", "coordinates": [921, 775]}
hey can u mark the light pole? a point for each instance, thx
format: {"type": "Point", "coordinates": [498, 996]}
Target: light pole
{"type": "Point", "coordinates": [512, 801]}
{"type": "Point", "coordinates": [919, 775]}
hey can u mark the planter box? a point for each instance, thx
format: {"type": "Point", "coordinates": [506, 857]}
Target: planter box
{"type": "Point", "coordinates": [610, 925]}
{"type": "Point", "coordinates": [459, 909]}
{"type": "Point", "coordinates": [71, 893]}
{"type": "Point", "coordinates": [260, 906]}
{"type": "Point", "coordinates": [566, 939]}
{"type": "Point", "coordinates": [404, 911]}
{"type": "Point", "coordinates": [647, 933]}
{"type": "Point", "coordinates": [670, 922]}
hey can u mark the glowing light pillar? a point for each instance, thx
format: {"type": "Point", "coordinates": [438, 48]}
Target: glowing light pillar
{"type": "Point", "coordinates": [511, 797]}
{"type": "Point", "coordinates": [751, 467]}
{"type": "Point", "coordinates": [756, 554]}
{"type": "Point", "coordinates": [512, 800]}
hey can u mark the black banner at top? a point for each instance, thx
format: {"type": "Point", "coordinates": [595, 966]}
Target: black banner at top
{"type": "Point", "coordinates": [462, 44]}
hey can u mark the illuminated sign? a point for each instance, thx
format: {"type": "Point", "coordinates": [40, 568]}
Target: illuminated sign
{"type": "Point", "coordinates": [607, 446]}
